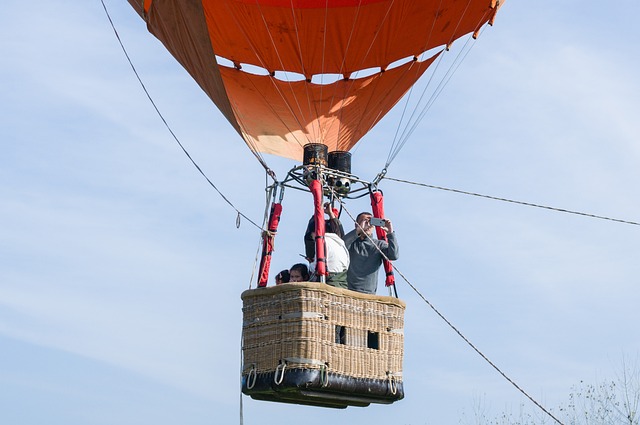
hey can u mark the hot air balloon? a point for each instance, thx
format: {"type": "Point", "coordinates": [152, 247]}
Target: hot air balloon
{"type": "Point", "coordinates": [306, 80]}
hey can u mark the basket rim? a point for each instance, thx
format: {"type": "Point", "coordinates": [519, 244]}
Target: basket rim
{"type": "Point", "coordinates": [320, 287]}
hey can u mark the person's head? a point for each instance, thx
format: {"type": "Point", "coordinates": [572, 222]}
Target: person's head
{"type": "Point", "coordinates": [310, 233]}
{"type": "Point", "coordinates": [282, 277]}
{"type": "Point", "coordinates": [363, 221]}
{"type": "Point", "coordinates": [299, 273]}
{"type": "Point", "coordinates": [334, 227]}
{"type": "Point", "coordinates": [310, 240]}
{"type": "Point", "coordinates": [311, 227]}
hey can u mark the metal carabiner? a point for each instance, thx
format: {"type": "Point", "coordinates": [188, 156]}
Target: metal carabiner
{"type": "Point", "coordinates": [324, 375]}
{"type": "Point", "coordinates": [377, 179]}
{"type": "Point", "coordinates": [279, 369]}
{"type": "Point", "coordinates": [251, 383]}
{"type": "Point", "coordinates": [393, 385]}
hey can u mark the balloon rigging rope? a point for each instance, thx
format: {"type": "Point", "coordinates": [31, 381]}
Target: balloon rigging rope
{"type": "Point", "coordinates": [455, 329]}
{"type": "Point", "coordinates": [406, 103]}
{"type": "Point", "coordinates": [450, 72]}
{"type": "Point", "coordinates": [399, 143]}
{"type": "Point", "coordinates": [528, 204]}
{"type": "Point", "coordinates": [144, 88]}
{"type": "Point", "coordinates": [413, 121]}
{"type": "Point", "coordinates": [394, 149]}
{"type": "Point", "coordinates": [404, 111]}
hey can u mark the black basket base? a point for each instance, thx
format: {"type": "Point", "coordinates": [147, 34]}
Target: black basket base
{"type": "Point", "coordinates": [313, 387]}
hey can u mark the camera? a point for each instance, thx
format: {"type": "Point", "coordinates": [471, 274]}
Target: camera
{"type": "Point", "coordinates": [378, 222]}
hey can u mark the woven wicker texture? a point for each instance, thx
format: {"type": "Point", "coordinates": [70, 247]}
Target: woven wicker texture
{"type": "Point", "coordinates": [313, 325]}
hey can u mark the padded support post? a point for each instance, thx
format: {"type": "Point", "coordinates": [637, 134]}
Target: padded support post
{"type": "Point", "coordinates": [377, 207]}
{"type": "Point", "coordinates": [318, 213]}
{"type": "Point", "coordinates": [268, 238]}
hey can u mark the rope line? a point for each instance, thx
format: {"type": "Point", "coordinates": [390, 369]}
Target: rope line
{"type": "Point", "coordinates": [455, 329]}
{"type": "Point", "coordinates": [528, 204]}
{"type": "Point", "coordinates": [416, 117]}
{"type": "Point", "coordinates": [241, 406]}
{"type": "Point", "coordinates": [144, 88]}
{"type": "Point", "coordinates": [408, 97]}
{"type": "Point", "coordinates": [476, 349]}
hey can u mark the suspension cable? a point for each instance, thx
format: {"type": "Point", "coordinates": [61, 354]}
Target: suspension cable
{"type": "Point", "coordinates": [454, 328]}
{"type": "Point", "coordinates": [416, 118]}
{"type": "Point", "coordinates": [411, 126]}
{"type": "Point", "coordinates": [144, 88]}
{"type": "Point", "coordinates": [528, 204]}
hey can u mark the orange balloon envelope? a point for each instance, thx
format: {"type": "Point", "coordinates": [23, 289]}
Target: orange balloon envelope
{"type": "Point", "coordinates": [293, 64]}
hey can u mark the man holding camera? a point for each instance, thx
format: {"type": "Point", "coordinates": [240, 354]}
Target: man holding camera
{"type": "Point", "coordinates": [366, 253]}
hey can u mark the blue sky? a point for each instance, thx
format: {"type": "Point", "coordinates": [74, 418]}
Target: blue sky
{"type": "Point", "coordinates": [121, 269]}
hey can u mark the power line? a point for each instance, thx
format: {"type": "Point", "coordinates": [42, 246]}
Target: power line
{"type": "Point", "coordinates": [528, 204]}
{"type": "Point", "coordinates": [144, 88]}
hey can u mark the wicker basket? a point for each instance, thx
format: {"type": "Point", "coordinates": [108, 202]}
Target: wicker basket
{"type": "Point", "coordinates": [311, 343]}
